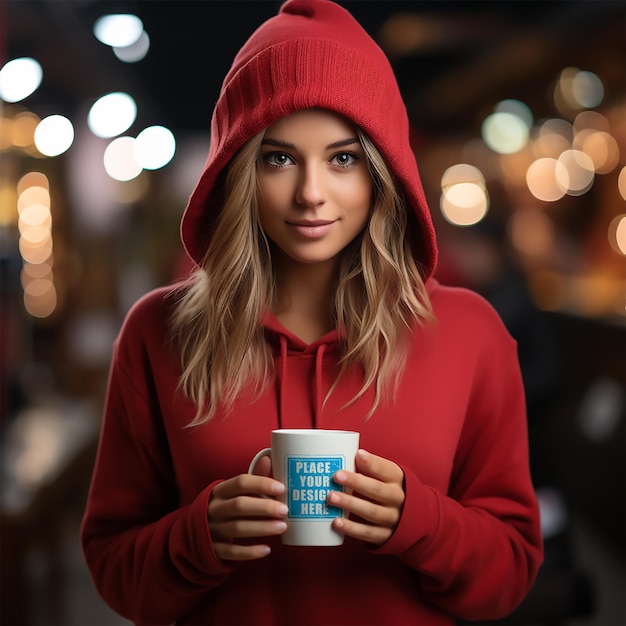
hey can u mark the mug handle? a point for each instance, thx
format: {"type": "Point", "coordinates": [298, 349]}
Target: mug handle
{"type": "Point", "coordinates": [257, 457]}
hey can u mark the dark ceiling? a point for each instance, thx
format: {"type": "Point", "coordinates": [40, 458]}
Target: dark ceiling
{"type": "Point", "coordinates": [472, 54]}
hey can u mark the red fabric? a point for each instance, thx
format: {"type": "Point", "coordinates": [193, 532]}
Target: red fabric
{"type": "Point", "coordinates": [468, 543]}
{"type": "Point", "coordinates": [312, 54]}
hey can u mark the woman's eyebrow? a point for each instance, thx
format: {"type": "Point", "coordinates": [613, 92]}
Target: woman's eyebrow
{"type": "Point", "coordinates": [343, 143]}
{"type": "Point", "coordinates": [268, 141]}
{"type": "Point", "coordinates": [278, 143]}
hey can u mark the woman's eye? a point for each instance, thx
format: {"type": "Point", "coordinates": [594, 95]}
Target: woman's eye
{"type": "Point", "coordinates": [277, 159]}
{"type": "Point", "coordinates": [344, 159]}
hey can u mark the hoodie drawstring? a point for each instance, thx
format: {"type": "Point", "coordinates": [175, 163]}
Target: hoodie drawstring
{"type": "Point", "coordinates": [282, 382]}
{"type": "Point", "coordinates": [319, 362]}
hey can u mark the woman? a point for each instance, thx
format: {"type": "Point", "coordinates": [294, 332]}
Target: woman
{"type": "Point", "coordinates": [313, 306]}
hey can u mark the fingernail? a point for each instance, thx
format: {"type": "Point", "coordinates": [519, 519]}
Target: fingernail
{"type": "Point", "coordinates": [340, 476]}
{"type": "Point", "coordinates": [283, 509]}
{"type": "Point", "coordinates": [332, 497]}
{"type": "Point", "coordinates": [281, 526]}
{"type": "Point", "coordinates": [363, 454]}
{"type": "Point", "coordinates": [278, 488]}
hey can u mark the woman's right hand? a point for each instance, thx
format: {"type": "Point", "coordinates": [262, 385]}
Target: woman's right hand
{"type": "Point", "coordinates": [237, 511]}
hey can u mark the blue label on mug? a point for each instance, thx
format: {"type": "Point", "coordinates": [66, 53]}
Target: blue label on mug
{"type": "Point", "coordinates": [309, 479]}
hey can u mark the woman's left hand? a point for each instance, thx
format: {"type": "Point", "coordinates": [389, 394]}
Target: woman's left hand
{"type": "Point", "coordinates": [377, 498]}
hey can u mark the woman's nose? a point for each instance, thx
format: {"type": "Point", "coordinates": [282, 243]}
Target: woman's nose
{"type": "Point", "coordinates": [311, 191]}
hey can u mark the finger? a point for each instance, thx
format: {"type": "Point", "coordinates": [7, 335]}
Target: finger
{"type": "Point", "coordinates": [376, 535]}
{"type": "Point", "coordinates": [245, 529]}
{"type": "Point", "coordinates": [378, 467]}
{"type": "Point", "coordinates": [235, 552]}
{"type": "Point", "coordinates": [248, 484]}
{"type": "Point", "coordinates": [246, 507]}
{"type": "Point", "coordinates": [391, 494]}
{"type": "Point", "coordinates": [387, 516]}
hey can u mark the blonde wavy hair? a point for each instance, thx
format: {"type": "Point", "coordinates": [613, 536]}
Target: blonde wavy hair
{"type": "Point", "coordinates": [379, 295]}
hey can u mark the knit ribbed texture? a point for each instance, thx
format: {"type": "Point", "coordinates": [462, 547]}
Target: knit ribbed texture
{"type": "Point", "coordinates": [312, 54]}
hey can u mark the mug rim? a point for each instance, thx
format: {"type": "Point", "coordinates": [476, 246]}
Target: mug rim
{"type": "Point", "coordinates": [312, 431]}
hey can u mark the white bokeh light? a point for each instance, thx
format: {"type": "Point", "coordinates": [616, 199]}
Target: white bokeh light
{"type": "Point", "coordinates": [54, 135]}
{"type": "Point", "coordinates": [19, 78]}
{"type": "Point", "coordinates": [118, 30]}
{"type": "Point", "coordinates": [504, 132]}
{"type": "Point", "coordinates": [155, 147]}
{"type": "Point", "coordinates": [135, 52]}
{"type": "Point", "coordinates": [119, 159]}
{"type": "Point", "coordinates": [517, 108]}
{"type": "Point", "coordinates": [112, 114]}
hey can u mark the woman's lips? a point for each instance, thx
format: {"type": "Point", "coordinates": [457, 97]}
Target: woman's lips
{"type": "Point", "coordinates": [313, 229]}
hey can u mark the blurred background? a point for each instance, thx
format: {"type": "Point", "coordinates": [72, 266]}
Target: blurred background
{"type": "Point", "coordinates": [519, 130]}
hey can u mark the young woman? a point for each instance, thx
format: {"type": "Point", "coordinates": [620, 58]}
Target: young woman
{"type": "Point", "coordinates": [313, 306]}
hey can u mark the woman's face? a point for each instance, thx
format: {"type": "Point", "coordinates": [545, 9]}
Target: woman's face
{"type": "Point", "coordinates": [315, 188]}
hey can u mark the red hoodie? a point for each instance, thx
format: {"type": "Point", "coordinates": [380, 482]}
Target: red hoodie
{"type": "Point", "coordinates": [468, 543]}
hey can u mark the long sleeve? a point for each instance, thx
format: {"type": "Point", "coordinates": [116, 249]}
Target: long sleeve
{"type": "Point", "coordinates": [151, 560]}
{"type": "Point", "coordinates": [478, 545]}
{"type": "Point", "coordinates": [145, 535]}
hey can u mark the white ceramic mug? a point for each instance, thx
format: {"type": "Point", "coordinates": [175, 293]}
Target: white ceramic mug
{"type": "Point", "coordinates": [305, 460]}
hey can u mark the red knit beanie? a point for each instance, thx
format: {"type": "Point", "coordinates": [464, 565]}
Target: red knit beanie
{"type": "Point", "coordinates": [312, 54]}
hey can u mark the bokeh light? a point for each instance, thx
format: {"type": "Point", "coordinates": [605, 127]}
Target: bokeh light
{"type": "Point", "coordinates": [35, 253]}
{"type": "Point", "coordinates": [154, 147]}
{"type": "Point", "coordinates": [553, 137]}
{"type": "Point", "coordinates": [119, 159]}
{"type": "Point", "coordinates": [504, 133]}
{"type": "Point", "coordinates": [112, 114]}
{"type": "Point", "coordinates": [601, 147]}
{"type": "Point", "coordinates": [577, 89]}
{"type": "Point", "coordinates": [34, 194]}
{"type": "Point", "coordinates": [135, 52]}
{"type": "Point", "coordinates": [547, 179]}
{"type": "Point", "coordinates": [36, 215]}
{"type": "Point", "coordinates": [591, 120]}
{"type": "Point", "coordinates": [507, 129]}
{"type": "Point", "coordinates": [580, 172]}
{"type": "Point", "coordinates": [35, 245]}
{"type": "Point", "coordinates": [617, 234]}
{"type": "Point", "coordinates": [587, 90]}
{"type": "Point", "coordinates": [119, 30]}
{"type": "Point", "coordinates": [54, 135]}
{"type": "Point", "coordinates": [19, 78]}
{"type": "Point", "coordinates": [40, 298]}
{"type": "Point", "coordinates": [24, 125]}
{"type": "Point", "coordinates": [464, 200]}
{"type": "Point", "coordinates": [518, 109]}
{"type": "Point", "coordinates": [33, 179]}
{"type": "Point", "coordinates": [621, 182]}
